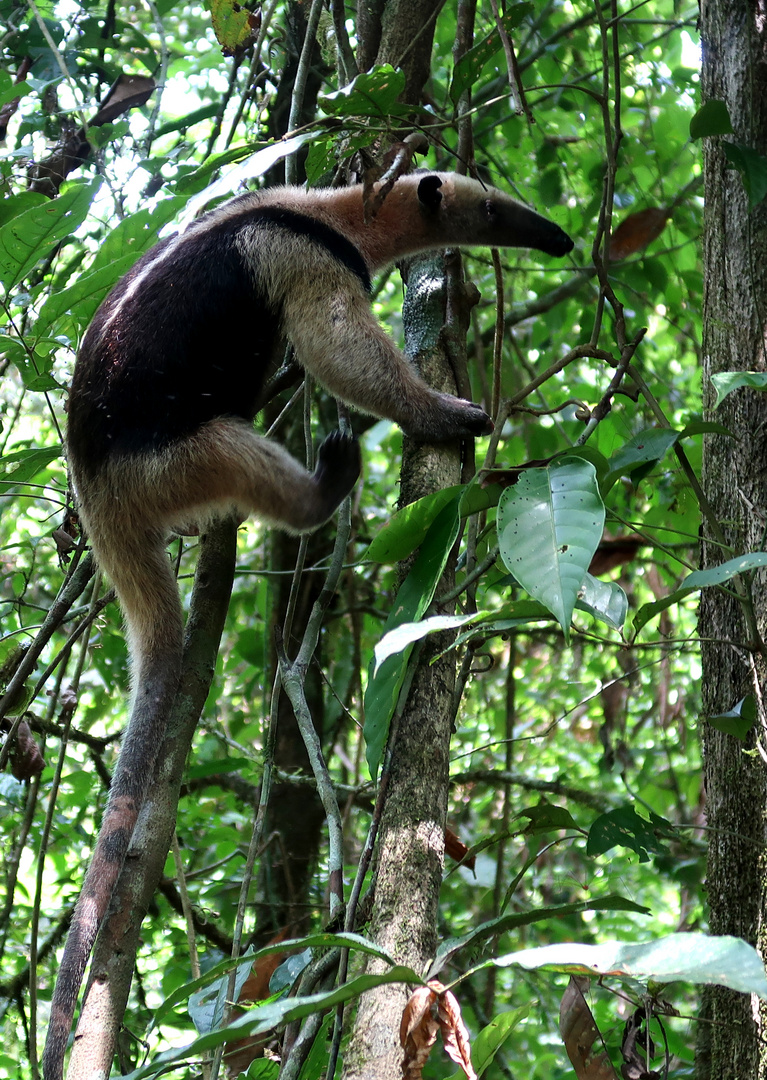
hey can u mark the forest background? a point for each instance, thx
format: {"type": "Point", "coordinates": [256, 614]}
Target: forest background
{"type": "Point", "coordinates": [560, 661]}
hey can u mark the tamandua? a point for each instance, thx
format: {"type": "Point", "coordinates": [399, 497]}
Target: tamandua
{"type": "Point", "coordinates": [160, 421]}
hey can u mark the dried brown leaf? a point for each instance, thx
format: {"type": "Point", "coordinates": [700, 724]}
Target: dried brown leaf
{"type": "Point", "coordinates": [456, 849]}
{"type": "Point", "coordinates": [454, 1033]}
{"type": "Point", "coordinates": [418, 1030]}
{"type": "Point", "coordinates": [26, 758]}
{"type": "Point", "coordinates": [637, 231]}
{"type": "Point", "coordinates": [581, 1036]}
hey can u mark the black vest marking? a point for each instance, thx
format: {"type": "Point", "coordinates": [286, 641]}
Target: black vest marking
{"type": "Point", "coordinates": [338, 245]}
{"type": "Point", "coordinates": [192, 342]}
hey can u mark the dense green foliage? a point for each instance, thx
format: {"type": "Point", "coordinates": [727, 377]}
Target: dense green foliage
{"type": "Point", "coordinates": [600, 725]}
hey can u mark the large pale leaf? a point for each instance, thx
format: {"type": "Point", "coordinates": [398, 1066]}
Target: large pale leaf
{"type": "Point", "coordinates": [549, 525]}
{"type": "Point", "coordinates": [727, 381]}
{"type": "Point", "coordinates": [700, 579]}
{"type": "Point", "coordinates": [695, 958]}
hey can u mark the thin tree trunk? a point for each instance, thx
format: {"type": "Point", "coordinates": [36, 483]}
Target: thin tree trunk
{"type": "Point", "coordinates": [412, 833]}
{"type": "Point", "coordinates": [735, 481]}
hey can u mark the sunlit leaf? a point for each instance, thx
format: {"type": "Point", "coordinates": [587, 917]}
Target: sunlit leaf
{"type": "Point", "coordinates": [693, 957]}
{"type": "Point", "coordinates": [414, 596]}
{"type": "Point", "coordinates": [373, 93]}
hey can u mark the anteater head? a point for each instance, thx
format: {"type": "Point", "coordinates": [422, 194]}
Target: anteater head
{"type": "Point", "coordinates": [460, 211]}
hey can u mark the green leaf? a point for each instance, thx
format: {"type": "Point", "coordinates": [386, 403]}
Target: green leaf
{"type": "Point", "coordinates": [373, 93]}
{"type": "Point", "coordinates": [605, 600]}
{"type": "Point", "coordinates": [10, 90]}
{"type": "Point", "coordinates": [713, 118]}
{"type": "Point", "coordinates": [519, 612]}
{"type": "Point", "coordinates": [414, 596]}
{"type": "Point", "coordinates": [320, 941]}
{"type": "Point", "coordinates": [233, 24]}
{"type": "Point", "coordinates": [13, 205]}
{"type": "Point", "coordinates": [492, 1037]}
{"type": "Point", "coordinates": [23, 465]}
{"type": "Point", "coordinates": [545, 816]}
{"type": "Point", "coordinates": [494, 927]}
{"type": "Point", "coordinates": [694, 957]}
{"type": "Point", "coordinates": [700, 579]}
{"type": "Point", "coordinates": [738, 721]}
{"type": "Point", "coordinates": [233, 177]}
{"type": "Point", "coordinates": [29, 236]}
{"type": "Point", "coordinates": [649, 446]}
{"type": "Point", "coordinates": [188, 119]}
{"type": "Point", "coordinates": [704, 427]}
{"type": "Point", "coordinates": [207, 1006]}
{"type": "Point", "coordinates": [325, 152]}
{"type": "Point", "coordinates": [549, 526]}
{"type": "Point", "coordinates": [406, 529]}
{"type": "Point", "coordinates": [752, 167]}
{"type": "Point", "coordinates": [138, 232]}
{"type": "Point", "coordinates": [469, 67]}
{"type": "Point", "coordinates": [717, 575]}
{"type": "Point", "coordinates": [35, 369]}
{"type": "Point", "coordinates": [727, 381]}
{"type": "Point", "coordinates": [78, 303]}
{"type": "Point", "coordinates": [126, 243]}
{"type": "Point", "coordinates": [623, 827]}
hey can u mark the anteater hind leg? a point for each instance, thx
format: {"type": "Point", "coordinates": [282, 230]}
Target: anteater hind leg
{"type": "Point", "coordinates": [225, 466]}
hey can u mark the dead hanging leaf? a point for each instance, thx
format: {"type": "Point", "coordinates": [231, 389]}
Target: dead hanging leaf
{"type": "Point", "coordinates": [418, 1031]}
{"type": "Point", "coordinates": [126, 92]}
{"type": "Point", "coordinates": [581, 1035]}
{"type": "Point", "coordinates": [454, 1033]}
{"type": "Point", "coordinates": [26, 759]}
{"type": "Point", "coordinates": [637, 231]}
{"type": "Point", "coordinates": [456, 849]}
{"type": "Point", "coordinates": [637, 1049]}
{"type": "Point", "coordinates": [430, 1009]}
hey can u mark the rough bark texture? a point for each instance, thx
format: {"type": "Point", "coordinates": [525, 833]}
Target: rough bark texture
{"type": "Point", "coordinates": [407, 33]}
{"type": "Point", "coordinates": [735, 480]}
{"type": "Point", "coordinates": [411, 838]}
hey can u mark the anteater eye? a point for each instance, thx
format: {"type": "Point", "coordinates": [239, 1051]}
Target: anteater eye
{"type": "Point", "coordinates": [490, 210]}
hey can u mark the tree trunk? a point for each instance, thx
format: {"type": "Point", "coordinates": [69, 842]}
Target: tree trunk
{"type": "Point", "coordinates": [412, 834]}
{"type": "Point", "coordinates": [735, 482]}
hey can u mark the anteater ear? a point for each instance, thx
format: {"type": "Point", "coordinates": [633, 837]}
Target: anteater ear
{"type": "Point", "coordinates": [429, 195]}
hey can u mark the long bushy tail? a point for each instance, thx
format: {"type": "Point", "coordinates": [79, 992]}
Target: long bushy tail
{"type": "Point", "coordinates": [141, 573]}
